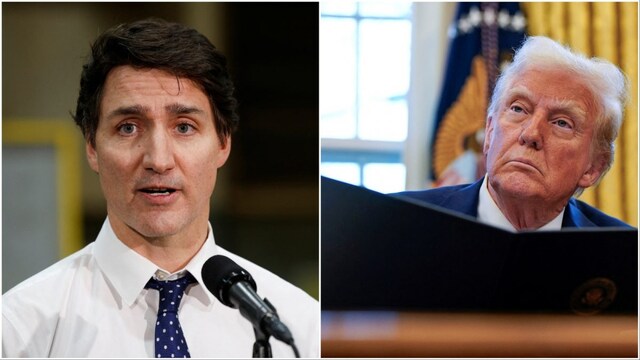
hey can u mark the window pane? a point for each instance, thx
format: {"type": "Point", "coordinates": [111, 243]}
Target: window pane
{"type": "Point", "coordinates": [383, 120]}
{"type": "Point", "coordinates": [385, 59]}
{"type": "Point", "coordinates": [385, 8]}
{"type": "Point", "coordinates": [346, 172]}
{"type": "Point", "coordinates": [338, 78]}
{"type": "Point", "coordinates": [385, 178]}
{"type": "Point", "coordinates": [340, 7]}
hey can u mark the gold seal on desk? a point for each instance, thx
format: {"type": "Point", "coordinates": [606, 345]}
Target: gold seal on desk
{"type": "Point", "coordinates": [593, 296]}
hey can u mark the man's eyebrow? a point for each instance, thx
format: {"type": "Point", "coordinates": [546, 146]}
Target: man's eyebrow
{"type": "Point", "coordinates": [180, 109]}
{"type": "Point", "coordinates": [573, 108]}
{"type": "Point", "coordinates": [519, 92]}
{"type": "Point", "coordinates": [138, 110]}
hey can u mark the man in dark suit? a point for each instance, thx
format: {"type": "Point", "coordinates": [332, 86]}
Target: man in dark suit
{"type": "Point", "coordinates": [464, 199]}
{"type": "Point", "coordinates": [550, 132]}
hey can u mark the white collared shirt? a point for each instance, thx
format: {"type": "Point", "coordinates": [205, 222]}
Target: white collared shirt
{"type": "Point", "coordinates": [94, 304]}
{"type": "Point", "coordinates": [490, 213]}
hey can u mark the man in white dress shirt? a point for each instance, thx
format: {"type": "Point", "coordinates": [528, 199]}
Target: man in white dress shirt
{"type": "Point", "coordinates": [157, 111]}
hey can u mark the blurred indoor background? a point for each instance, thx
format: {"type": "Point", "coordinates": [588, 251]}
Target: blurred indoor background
{"type": "Point", "coordinates": [265, 206]}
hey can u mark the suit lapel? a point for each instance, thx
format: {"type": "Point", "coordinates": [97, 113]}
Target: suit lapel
{"type": "Point", "coordinates": [573, 217]}
{"type": "Point", "coordinates": [465, 200]}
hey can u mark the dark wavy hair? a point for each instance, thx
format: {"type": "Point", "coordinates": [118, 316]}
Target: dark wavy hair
{"type": "Point", "coordinates": [157, 44]}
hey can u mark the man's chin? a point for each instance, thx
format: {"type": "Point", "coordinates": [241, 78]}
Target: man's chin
{"type": "Point", "coordinates": [157, 226]}
{"type": "Point", "coordinates": [155, 231]}
{"type": "Point", "coordinates": [518, 186]}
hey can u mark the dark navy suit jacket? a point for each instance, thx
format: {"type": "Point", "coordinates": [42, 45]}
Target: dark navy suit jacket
{"type": "Point", "coordinates": [464, 199]}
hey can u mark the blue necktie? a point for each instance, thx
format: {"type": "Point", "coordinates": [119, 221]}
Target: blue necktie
{"type": "Point", "coordinates": [169, 339]}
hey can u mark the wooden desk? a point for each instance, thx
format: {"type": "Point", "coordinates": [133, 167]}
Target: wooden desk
{"type": "Point", "coordinates": [391, 334]}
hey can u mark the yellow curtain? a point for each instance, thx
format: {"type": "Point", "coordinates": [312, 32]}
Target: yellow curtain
{"type": "Point", "coordinates": [608, 31]}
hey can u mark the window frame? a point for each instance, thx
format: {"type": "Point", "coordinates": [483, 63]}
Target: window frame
{"type": "Point", "coordinates": [429, 37]}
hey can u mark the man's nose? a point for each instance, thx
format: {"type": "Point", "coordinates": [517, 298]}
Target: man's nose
{"type": "Point", "coordinates": [158, 152]}
{"type": "Point", "coordinates": [532, 131]}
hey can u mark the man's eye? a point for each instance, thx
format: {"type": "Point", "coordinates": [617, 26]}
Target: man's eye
{"type": "Point", "coordinates": [127, 129]}
{"type": "Point", "coordinates": [516, 108]}
{"type": "Point", "coordinates": [563, 123]}
{"type": "Point", "coordinates": [184, 128]}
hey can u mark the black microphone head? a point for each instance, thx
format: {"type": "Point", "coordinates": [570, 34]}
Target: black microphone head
{"type": "Point", "coordinates": [219, 273]}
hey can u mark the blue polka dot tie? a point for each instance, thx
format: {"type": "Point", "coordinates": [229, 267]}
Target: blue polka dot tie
{"type": "Point", "coordinates": [169, 339]}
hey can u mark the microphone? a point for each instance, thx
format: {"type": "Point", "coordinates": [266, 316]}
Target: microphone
{"type": "Point", "coordinates": [234, 287]}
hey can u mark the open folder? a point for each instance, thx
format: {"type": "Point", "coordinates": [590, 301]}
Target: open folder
{"type": "Point", "coordinates": [385, 252]}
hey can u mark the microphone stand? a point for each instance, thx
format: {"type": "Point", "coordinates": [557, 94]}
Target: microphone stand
{"type": "Point", "coordinates": [261, 348]}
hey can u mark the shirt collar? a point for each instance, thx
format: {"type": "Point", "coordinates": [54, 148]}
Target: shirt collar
{"type": "Point", "coordinates": [490, 213]}
{"type": "Point", "coordinates": [131, 272]}
{"type": "Point", "coordinates": [194, 266]}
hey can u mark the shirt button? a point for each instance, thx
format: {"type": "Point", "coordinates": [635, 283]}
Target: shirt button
{"type": "Point", "coordinates": [160, 276]}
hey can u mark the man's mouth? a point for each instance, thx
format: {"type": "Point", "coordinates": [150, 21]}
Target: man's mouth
{"type": "Point", "coordinates": [526, 162]}
{"type": "Point", "coordinates": [158, 191]}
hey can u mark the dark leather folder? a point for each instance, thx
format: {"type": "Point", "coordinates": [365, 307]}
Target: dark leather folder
{"type": "Point", "coordinates": [383, 252]}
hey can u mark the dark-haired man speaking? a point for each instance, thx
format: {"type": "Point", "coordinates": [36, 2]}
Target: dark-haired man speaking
{"type": "Point", "coordinates": [156, 108]}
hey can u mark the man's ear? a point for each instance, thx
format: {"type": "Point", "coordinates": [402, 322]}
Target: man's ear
{"type": "Point", "coordinates": [593, 172]}
{"type": "Point", "coordinates": [92, 156]}
{"type": "Point", "coordinates": [223, 153]}
{"type": "Point", "coordinates": [488, 133]}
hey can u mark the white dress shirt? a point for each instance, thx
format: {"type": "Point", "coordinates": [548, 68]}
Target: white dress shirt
{"type": "Point", "coordinates": [94, 304]}
{"type": "Point", "coordinates": [490, 213]}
